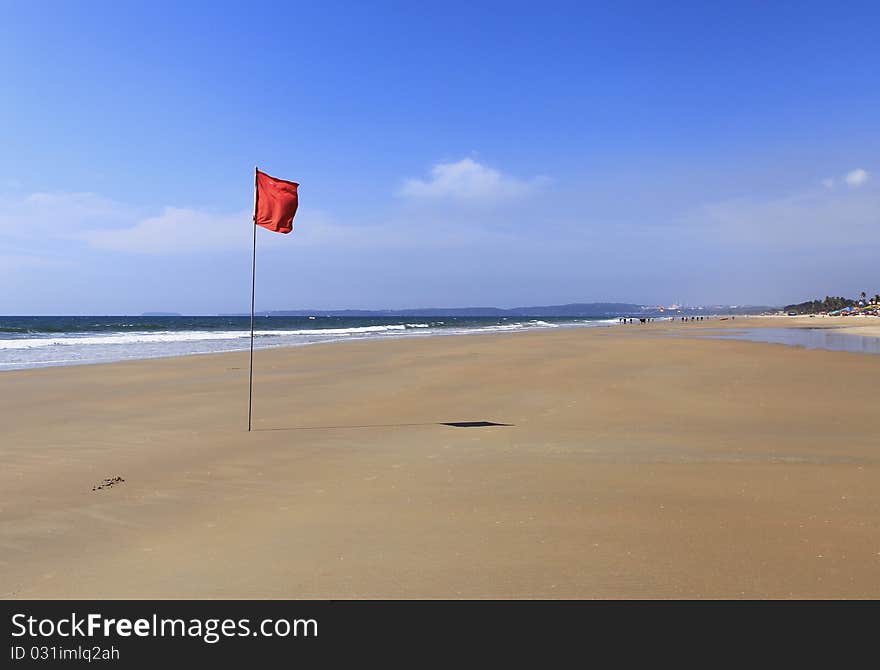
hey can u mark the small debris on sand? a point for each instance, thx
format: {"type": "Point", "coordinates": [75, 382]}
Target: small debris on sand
{"type": "Point", "coordinates": [107, 483]}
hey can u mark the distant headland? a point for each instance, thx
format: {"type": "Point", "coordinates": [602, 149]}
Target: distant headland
{"type": "Point", "coordinates": [581, 309]}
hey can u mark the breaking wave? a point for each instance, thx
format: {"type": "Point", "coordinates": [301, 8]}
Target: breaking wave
{"type": "Point", "coordinates": [27, 342]}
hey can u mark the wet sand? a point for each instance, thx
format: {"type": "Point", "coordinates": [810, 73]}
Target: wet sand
{"type": "Point", "coordinates": [635, 465]}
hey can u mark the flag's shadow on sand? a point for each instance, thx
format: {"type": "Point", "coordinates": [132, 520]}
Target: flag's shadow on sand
{"type": "Point", "coordinates": [473, 424]}
{"type": "Point", "coordinates": [453, 424]}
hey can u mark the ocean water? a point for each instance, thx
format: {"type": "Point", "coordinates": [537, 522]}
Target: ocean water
{"type": "Point", "coordinates": [40, 341]}
{"type": "Point", "coordinates": [808, 338]}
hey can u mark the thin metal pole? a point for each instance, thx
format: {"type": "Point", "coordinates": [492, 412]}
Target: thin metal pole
{"type": "Point", "coordinates": [253, 293]}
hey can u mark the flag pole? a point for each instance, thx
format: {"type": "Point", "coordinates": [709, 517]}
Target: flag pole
{"type": "Point", "coordinates": [253, 293]}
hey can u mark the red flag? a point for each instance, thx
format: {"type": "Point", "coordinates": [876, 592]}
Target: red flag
{"type": "Point", "coordinates": [275, 203]}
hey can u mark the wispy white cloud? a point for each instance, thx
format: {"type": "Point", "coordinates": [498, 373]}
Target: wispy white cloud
{"type": "Point", "coordinates": [857, 177]}
{"type": "Point", "coordinates": [45, 219]}
{"type": "Point", "coordinates": [189, 231]}
{"type": "Point", "coordinates": [853, 179]}
{"type": "Point", "coordinates": [176, 230]}
{"type": "Point", "coordinates": [468, 180]}
{"type": "Point", "coordinates": [821, 220]}
{"type": "Point", "coordinates": [55, 214]}
{"type": "Point", "coordinates": [46, 224]}
{"type": "Point", "coordinates": [43, 227]}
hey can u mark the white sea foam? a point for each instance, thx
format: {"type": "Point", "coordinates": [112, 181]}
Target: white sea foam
{"type": "Point", "coordinates": [191, 336]}
{"type": "Point", "coordinates": [121, 338]}
{"type": "Point", "coordinates": [328, 331]}
{"type": "Point", "coordinates": [93, 347]}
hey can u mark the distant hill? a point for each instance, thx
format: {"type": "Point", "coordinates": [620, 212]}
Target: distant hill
{"type": "Point", "coordinates": [580, 309]}
{"type": "Point", "coordinates": [161, 314]}
{"type": "Point", "coordinates": [577, 309]}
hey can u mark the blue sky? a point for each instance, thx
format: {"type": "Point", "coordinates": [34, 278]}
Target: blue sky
{"type": "Point", "coordinates": [467, 154]}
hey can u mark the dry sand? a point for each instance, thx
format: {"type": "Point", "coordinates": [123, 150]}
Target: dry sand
{"type": "Point", "coordinates": [636, 465]}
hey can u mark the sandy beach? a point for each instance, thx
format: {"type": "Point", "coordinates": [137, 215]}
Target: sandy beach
{"type": "Point", "coordinates": [632, 464]}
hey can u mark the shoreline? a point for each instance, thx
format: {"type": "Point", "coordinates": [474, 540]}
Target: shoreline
{"type": "Point", "coordinates": [870, 329]}
{"type": "Point", "coordinates": [357, 337]}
